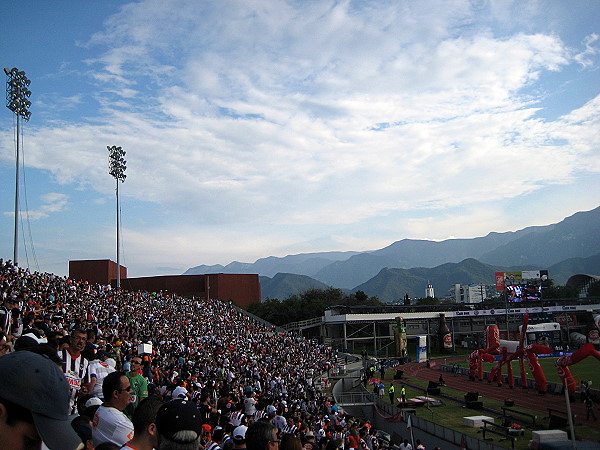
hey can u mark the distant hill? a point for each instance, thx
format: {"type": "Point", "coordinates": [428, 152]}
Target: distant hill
{"type": "Point", "coordinates": [284, 285]}
{"type": "Point", "coordinates": [567, 245]}
{"type": "Point", "coordinates": [405, 254]}
{"type": "Point", "coordinates": [390, 284]}
{"type": "Point", "coordinates": [562, 271]}
{"type": "Point", "coordinates": [301, 264]}
{"type": "Point", "coordinates": [577, 236]}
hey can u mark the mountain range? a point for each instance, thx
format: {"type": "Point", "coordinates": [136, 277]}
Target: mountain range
{"type": "Point", "coordinates": [565, 248]}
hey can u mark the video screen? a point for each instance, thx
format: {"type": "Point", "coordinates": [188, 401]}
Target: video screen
{"type": "Point", "coordinates": [524, 292]}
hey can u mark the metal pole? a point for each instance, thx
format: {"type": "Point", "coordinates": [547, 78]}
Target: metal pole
{"type": "Point", "coordinates": [506, 317]}
{"type": "Point", "coordinates": [16, 241]}
{"type": "Point", "coordinates": [571, 428]}
{"type": "Point", "coordinates": [118, 246]}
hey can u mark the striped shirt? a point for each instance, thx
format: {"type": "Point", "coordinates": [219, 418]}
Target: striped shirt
{"type": "Point", "coordinates": [76, 372]}
{"type": "Point", "coordinates": [259, 415]}
{"type": "Point", "coordinates": [290, 429]}
{"type": "Point", "coordinates": [236, 418]}
{"type": "Point", "coordinates": [213, 446]}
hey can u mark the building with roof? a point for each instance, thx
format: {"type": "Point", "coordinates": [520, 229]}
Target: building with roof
{"type": "Point", "coordinates": [582, 282]}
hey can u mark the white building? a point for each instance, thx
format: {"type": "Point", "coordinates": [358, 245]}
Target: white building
{"type": "Point", "coordinates": [429, 291]}
{"type": "Point", "coordinates": [471, 293]}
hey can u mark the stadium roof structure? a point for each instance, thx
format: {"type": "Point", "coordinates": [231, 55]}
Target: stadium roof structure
{"type": "Point", "coordinates": [582, 282]}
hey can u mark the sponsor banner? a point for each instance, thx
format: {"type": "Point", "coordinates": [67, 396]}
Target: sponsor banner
{"type": "Point", "coordinates": [556, 354]}
{"type": "Point", "coordinates": [566, 319]}
{"type": "Point", "coordinates": [500, 281]}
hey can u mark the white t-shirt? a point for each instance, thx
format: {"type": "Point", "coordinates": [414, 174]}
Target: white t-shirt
{"type": "Point", "coordinates": [100, 370]}
{"type": "Point", "coordinates": [111, 425]}
{"type": "Point", "coordinates": [249, 406]}
{"type": "Point", "coordinates": [180, 390]}
{"type": "Point", "coordinates": [280, 422]}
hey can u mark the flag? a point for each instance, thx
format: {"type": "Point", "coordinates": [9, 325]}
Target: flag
{"type": "Point", "coordinates": [409, 428]}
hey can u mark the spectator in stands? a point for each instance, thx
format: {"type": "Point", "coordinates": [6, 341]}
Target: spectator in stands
{"type": "Point", "coordinates": [110, 424]}
{"type": "Point", "coordinates": [405, 445]}
{"type": "Point", "coordinates": [139, 385]}
{"type": "Point", "coordinates": [99, 370]}
{"type": "Point", "coordinates": [239, 437]}
{"type": "Point", "coordinates": [145, 434]}
{"type": "Point", "coordinates": [34, 404]}
{"type": "Point", "coordinates": [4, 345]}
{"type": "Point", "coordinates": [179, 426]}
{"type": "Point", "coordinates": [75, 366]}
{"type": "Point", "coordinates": [262, 435]}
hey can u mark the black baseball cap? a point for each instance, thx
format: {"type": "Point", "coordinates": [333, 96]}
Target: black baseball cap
{"type": "Point", "coordinates": [34, 382]}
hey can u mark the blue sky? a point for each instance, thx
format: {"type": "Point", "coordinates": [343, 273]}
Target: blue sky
{"type": "Point", "coordinates": [258, 128]}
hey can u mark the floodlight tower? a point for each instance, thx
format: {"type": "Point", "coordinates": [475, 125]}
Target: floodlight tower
{"type": "Point", "coordinates": [17, 92]}
{"type": "Point", "coordinates": [117, 168]}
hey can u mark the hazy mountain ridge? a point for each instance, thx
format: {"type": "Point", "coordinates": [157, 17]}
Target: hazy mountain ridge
{"type": "Point", "coordinates": [577, 236]}
{"type": "Point", "coordinates": [284, 285]}
{"type": "Point", "coordinates": [390, 284]}
{"type": "Point", "coordinates": [301, 264]}
{"type": "Point", "coordinates": [567, 244]}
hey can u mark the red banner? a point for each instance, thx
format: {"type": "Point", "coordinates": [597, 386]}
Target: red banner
{"type": "Point", "coordinates": [500, 281]}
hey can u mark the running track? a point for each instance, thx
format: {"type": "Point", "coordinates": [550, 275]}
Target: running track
{"type": "Point", "coordinates": [526, 398]}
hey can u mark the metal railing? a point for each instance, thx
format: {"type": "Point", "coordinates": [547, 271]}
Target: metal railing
{"type": "Point", "coordinates": [302, 324]}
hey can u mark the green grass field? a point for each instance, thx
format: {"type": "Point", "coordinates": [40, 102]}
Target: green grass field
{"type": "Point", "coordinates": [451, 414]}
{"type": "Point", "coordinates": [585, 370]}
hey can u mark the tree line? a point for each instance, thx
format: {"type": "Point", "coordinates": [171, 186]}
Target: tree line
{"type": "Point", "coordinates": [307, 305]}
{"type": "Point", "coordinates": [313, 302]}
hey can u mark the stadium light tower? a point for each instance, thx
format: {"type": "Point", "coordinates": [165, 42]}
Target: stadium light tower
{"type": "Point", "coordinates": [117, 168]}
{"type": "Point", "coordinates": [17, 93]}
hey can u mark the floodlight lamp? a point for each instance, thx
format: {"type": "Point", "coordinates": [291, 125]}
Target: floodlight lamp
{"type": "Point", "coordinates": [14, 71]}
{"type": "Point", "coordinates": [7, 71]}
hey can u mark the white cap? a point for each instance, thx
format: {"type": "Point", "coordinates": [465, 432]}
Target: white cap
{"type": "Point", "coordinates": [239, 433]}
{"type": "Point", "coordinates": [93, 401]}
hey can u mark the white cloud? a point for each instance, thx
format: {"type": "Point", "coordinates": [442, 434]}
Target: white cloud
{"type": "Point", "coordinates": [321, 114]}
{"type": "Point", "coordinates": [586, 57]}
{"type": "Point", "coordinates": [51, 203]}
{"type": "Point", "coordinates": [280, 125]}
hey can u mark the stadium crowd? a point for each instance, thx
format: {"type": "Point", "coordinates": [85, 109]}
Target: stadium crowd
{"type": "Point", "coordinates": [145, 370]}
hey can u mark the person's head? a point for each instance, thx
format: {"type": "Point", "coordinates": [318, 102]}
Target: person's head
{"type": "Point", "coordinates": [77, 340]}
{"type": "Point", "coordinates": [239, 436]}
{"type": "Point", "coordinates": [218, 435]}
{"type": "Point", "coordinates": [179, 425]}
{"type": "Point", "coordinates": [262, 435]}
{"type": "Point", "coordinates": [290, 442]}
{"type": "Point", "coordinates": [83, 428]}
{"type": "Point", "coordinates": [34, 403]}
{"type": "Point", "coordinates": [144, 419]}
{"type": "Point", "coordinates": [116, 389]}
{"type": "Point", "coordinates": [334, 444]}
{"type": "Point", "coordinates": [135, 364]}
